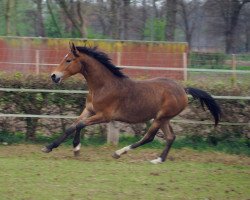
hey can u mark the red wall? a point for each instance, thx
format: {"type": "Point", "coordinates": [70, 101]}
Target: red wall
{"type": "Point", "coordinates": [21, 54]}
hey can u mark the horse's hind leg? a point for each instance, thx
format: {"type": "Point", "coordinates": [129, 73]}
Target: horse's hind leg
{"type": "Point", "coordinates": [169, 137]}
{"type": "Point", "coordinates": [149, 137]}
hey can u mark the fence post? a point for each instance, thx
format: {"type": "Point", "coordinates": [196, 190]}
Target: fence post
{"type": "Point", "coordinates": [118, 58]}
{"type": "Point", "coordinates": [184, 58]}
{"type": "Point", "coordinates": [112, 134]}
{"type": "Point", "coordinates": [234, 74]}
{"type": "Point", "coordinates": [37, 62]}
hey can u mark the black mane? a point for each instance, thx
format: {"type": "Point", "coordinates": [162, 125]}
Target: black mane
{"type": "Point", "coordinates": [102, 58]}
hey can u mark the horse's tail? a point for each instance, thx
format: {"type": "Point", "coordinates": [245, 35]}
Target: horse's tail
{"type": "Point", "coordinates": [208, 100]}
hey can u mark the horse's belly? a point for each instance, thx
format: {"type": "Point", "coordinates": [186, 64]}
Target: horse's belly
{"type": "Point", "coordinates": [136, 114]}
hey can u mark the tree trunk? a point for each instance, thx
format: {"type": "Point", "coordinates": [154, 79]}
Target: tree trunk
{"type": "Point", "coordinates": [171, 19]}
{"type": "Point", "coordinates": [247, 44]}
{"type": "Point", "coordinates": [231, 26]}
{"type": "Point", "coordinates": [15, 32]}
{"type": "Point", "coordinates": [155, 10]}
{"type": "Point", "coordinates": [185, 21]}
{"type": "Point", "coordinates": [229, 48]}
{"type": "Point", "coordinates": [102, 14]}
{"type": "Point", "coordinates": [82, 23]}
{"type": "Point", "coordinates": [125, 19]}
{"type": "Point", "coordinates": [231, 17]}
{"type": "Point", "coordinates": [7, 17]}
{"type": "Point", "coordinates": [114, 20]}
{"type": "Point", "coordinates": [48, 2]}
{"type": "Point", "coordinates": [39, 20]}
{"type": "Point", "coordinates": [144, 17]}
{"type": "Point", "coordinates": [70, 16]}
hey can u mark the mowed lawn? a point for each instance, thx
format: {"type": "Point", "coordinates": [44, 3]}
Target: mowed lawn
{"type": "Point", "coordinates": [28, 174]}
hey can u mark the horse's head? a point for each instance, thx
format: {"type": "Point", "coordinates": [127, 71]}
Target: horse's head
{"type": "Point", "coordinates": [69, 66]}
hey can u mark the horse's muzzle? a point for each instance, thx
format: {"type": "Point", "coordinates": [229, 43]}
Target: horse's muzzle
{"type": "Point", "coordinates": [55, 79]}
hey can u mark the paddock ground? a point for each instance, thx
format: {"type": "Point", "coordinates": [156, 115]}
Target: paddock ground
{"type": "Point", "coordinates": [28, 174]}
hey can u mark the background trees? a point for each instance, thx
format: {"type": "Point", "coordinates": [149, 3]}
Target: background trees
{"type": "Point", "coordinates": [227, 14]}
{"type": "Point", "coordinates": [209, 24]}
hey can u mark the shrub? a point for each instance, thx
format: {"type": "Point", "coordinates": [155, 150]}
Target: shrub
{"type": "Point", "coordinates": [68, 104]}
{"type": "Point", "coordinates": [38, 102]}
{"type": "Point", "coordinates": [207, 60]}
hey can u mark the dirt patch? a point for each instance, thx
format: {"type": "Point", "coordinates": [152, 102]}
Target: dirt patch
{"type": "Point", "coordinates": [103, 153]}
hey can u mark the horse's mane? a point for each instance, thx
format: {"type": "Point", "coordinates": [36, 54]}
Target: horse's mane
{"type": "Point", "coordinates": [102, 58]}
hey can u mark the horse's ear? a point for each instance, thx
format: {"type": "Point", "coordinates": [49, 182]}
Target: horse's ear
{"type": "Point", "coordinates": [73, 49]}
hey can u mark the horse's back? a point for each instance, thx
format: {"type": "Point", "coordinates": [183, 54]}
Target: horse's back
{"type": "Point", "coordinates": [167, 86]}
{"type": "Point", "coordinates": [173, 95]}
{"type": "Point", "coordinates": [146, 99]}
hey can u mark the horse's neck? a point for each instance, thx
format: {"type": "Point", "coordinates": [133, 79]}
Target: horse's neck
{"type": "Point", "coordinates": [97, 75]}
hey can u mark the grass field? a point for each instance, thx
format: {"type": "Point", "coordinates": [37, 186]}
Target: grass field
{"type": "Point", "coordinates": [28, 174]}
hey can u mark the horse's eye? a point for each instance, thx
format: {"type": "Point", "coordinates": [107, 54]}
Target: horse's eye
{"type": "Point", "coordinates": [68, 61]}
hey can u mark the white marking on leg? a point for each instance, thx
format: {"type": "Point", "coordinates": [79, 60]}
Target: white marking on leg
{"type": "Point", "coordinates": [157, 160]}
{"type": "Point", "coordinates": [123, 150]}
{"type": "Point", "coordinates": [77, 148]}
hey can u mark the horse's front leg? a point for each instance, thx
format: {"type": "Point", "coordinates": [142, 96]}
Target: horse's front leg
{"type": "Point", "coordinates": [69, 131]}
{"type": "Point", "coordinates": [77, 143]}
{"type": "Point", "coordinates": [78, 125]}
{"type": "Point", "coordinates": [77, 138]}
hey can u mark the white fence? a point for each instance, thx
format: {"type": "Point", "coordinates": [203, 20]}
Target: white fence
{"type": "Point", "coordinates": [85, 92]}
{"type": "Point", "coordinates": [112, 133]}
{"type": "Point", "coordinates": [233, 70]}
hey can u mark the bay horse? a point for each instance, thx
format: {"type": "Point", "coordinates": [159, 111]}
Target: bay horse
{"type": "Point", "coordinates": [115, 97]}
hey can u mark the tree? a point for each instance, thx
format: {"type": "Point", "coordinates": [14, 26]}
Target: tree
{"type": "Point", "coordinates": [114, 18]}
{"type": "Point", "coordinates": [40, 31]}
{"type": "Point", "coordinates": [244, 29]}
{"type": "Point", "coordinates": [74, 12]}
{"type": "Point", "coordinates": [7, 16]}
{"type": "Point", "coordinates": [189, 12]}
{"type": "Point", "coordinates": [171, 9]}
{"type": "Point", "coordinates": [158, 27]}
{"type": "Point", "coordinates": [144, 16]}
{"type": "Point", "coordinates": [102, 16]}
{"type": "Point", "coordinates": [227, 13]}
{"type": "Point", "coordinates": [57, 32]}
{"type": "Point", "coordinates": [125, 19]}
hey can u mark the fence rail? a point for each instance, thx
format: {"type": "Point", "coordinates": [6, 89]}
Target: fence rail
{"type": "Point", "coordinates": [181, 121]}
{"type": "Point", "coordinates": [85, 92]}
{"type": "Point", "coordinates": [44, 90]}
{"type": "Point", "coordinates": [147, 68]}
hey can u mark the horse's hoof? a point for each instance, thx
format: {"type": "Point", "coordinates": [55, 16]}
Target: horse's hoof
{"type": "Point", "coordinates": [46, 149]}
{"type": "Point", "coordinates": [157, 161]}
{"type": "Point", "coordinates": [76, 153]}
{"type": "Point", "coordinates": [116, 156]}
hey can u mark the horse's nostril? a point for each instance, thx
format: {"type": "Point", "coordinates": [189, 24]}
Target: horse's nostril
{"type": "Point", "coordinates": [53, 76]}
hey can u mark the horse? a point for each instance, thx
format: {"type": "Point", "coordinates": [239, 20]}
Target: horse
{"type": "Point", "coordinates": [113, 96]}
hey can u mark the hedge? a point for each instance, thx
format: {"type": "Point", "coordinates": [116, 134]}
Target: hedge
{"type": "Point", "coordinates": [72, 104]}
{"type": "Point", "coordinates": [38, 102]}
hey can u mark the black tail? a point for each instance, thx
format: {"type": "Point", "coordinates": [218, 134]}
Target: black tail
{"type": "Point", "coordinates": [208, 100]}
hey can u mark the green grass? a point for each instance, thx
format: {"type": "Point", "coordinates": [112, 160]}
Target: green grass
{"type": "Point", "coordinates": [239, 146]}
{"type": "Point", "coordinates": [241, 67]}
{"type": "Point", "coordinates": [26, 173]}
